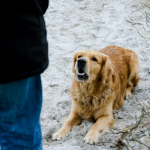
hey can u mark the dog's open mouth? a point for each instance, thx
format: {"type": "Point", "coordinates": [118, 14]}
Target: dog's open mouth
{"type": "Point", "coordinates": [82, 75]}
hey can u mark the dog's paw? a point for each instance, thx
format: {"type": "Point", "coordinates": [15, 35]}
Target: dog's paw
{"type": "Point", "coordinates": [58, 136]}
{"type": "Point", "coordinates": [91, 137]}
{"type": "Point", "coordinates": [90, 140]}
{"type": "Point", "coordinates": [128, 94]}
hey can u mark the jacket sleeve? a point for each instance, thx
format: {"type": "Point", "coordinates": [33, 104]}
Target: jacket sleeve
{"type": "Point", "coordinates": [44, 5]}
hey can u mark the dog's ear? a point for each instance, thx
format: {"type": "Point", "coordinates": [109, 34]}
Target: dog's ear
{"type": "Point", "coordinates": [105, 76]}
{"type": "Point", "coordinates": [74, 62]}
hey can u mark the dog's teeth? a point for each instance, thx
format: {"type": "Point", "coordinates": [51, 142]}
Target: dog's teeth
{"type": "Point", "coordinates": [80, 73]}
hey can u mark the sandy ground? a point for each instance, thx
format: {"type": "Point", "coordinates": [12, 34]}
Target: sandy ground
{"type": "Point", "coordinates": [74, 25]}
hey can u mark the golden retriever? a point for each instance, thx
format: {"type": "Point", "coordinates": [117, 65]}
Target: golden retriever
{"type": "Point", "coordinates": [101, 81]}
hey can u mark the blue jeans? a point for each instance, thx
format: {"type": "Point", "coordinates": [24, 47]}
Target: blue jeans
{"type": "Point", "coordinates": [20, 108]}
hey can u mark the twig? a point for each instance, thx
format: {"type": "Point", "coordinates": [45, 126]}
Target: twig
{"type": "Point", "coordinates": [144, 55]}
{"type": "Point", "coordinates": [121, 143]}
{"type": "Point", "coordinates": [129, 144]}
{"type": "Point", "coordinates": [140, 143]}
{"type": "Point", "coordinates": [146, 16]}
{"type": "Point", "coordinates": [137, 124]}
{"type": "Point", "coordinates": [105, 143]}
{"type": "Point", "coordinates": [142, 107]}
{"type": "Point", "coordinates": [145, 124]}
{"type": "Point", "coordinates": [143, 36]}
{"type": "Point", "coordinates": [133, 23]}
{"type": "Point", "coordinates": [133, 4]}
{"type": "Point", "coordinates": [144, 5]}
{"type": "Point", "coordinates": [128, 112]}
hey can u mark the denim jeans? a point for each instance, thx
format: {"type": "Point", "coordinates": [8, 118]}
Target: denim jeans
{"type": "Point", "coordinates": [20, 108]}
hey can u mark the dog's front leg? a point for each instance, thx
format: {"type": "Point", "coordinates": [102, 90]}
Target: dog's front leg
{"type": "Point", "coordinates": [101, 124]}
{"type": "Point", "coordinates": [72, 120]}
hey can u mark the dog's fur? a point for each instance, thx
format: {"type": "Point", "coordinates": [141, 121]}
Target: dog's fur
{"type": "Point", "coordinates": [111, 77]}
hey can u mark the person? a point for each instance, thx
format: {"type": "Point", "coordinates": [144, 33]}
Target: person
{"type": "Point", "coordinates": [23, 57]}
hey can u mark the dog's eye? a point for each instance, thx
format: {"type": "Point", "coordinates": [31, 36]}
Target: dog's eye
{"type": "Point", "coordinates": [94, 59]}
{"type": "Point", "coordinates": [79, 56]}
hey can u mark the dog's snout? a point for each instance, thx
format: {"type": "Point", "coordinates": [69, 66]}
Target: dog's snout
{"type": "Point", "coordinates": [81, 61]}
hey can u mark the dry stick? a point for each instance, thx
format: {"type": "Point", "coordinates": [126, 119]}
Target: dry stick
{"type": "Point", "coordinates": [133, 4]}
{"type": "Point", "coordinates": [129, 144]}
{"type": "Point", "coordinates": [145, 124]}
{"type": "Point", "coordinates": [145, 55]}
{"type": "Point", "coordinates": [133, 23]}
{"type": "Point", "coordinates": [104, 143]}
{"type": "Point", "coordinates": [142, 24]}
{"type": "Point", "coordinates": [123, 148]}
{"type": "Point", "coordinates": [138, 31]}
{"type": "Point", "coordinates": [146, 69]}
{"type": "Point", "coordinates": [131, 18]}
{"type": "Point", "coordinates": [124, 133]}
{"type": "Point", "coordinates": [142, 107]}
{"type": "Point", "coordinates": [144, 5]}
{"type": "Point", "coordinates": [118, 131]}
{"type": "Point", "coordinates": [126, 147]}
{"type": "Point", "coordinates": [140, 143]}
{"type": "Point", "coordinates": [138, 123]}
{"type": "Point", "coordinates": [128, 113]}
{"type": "Point", "coordinates": [121, 143]}
{"type": "Point", "coordinates": [143, 36]}
{"type": "Point", "coordinates": [112, 131]}
{"type": "Point", "coordinates": [147, 112]}
{"type": "Point", "coordinates": [120, 140]}
{"type": "Point", "coordinates": [146, 16]}
{"type": "Point", "coordinates": [147, 20]}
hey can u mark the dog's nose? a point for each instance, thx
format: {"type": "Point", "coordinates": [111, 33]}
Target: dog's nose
{"type": "Point", "coordinates": [81, 62]}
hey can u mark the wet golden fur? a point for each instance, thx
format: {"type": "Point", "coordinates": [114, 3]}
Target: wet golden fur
{"type": "Point", "coordinates": [111, 78]}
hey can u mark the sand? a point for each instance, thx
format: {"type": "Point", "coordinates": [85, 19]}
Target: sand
{"type": "Point", "coordinates": [75, 25]}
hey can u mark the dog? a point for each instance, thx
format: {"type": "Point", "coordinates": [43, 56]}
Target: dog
{"type": "Point", "coordinates": [101, 81]}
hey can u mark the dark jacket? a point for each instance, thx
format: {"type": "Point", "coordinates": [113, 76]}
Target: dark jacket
{"type": "Point", "coordinates": [24, 47]}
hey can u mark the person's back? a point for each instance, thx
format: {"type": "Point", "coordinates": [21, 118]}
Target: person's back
{"type": "Point", "coordinates": [23, 57]}
{"type": "Point", "coordinates": [24, 47]}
